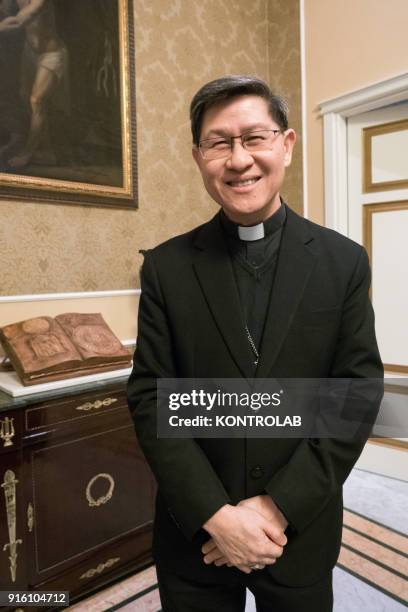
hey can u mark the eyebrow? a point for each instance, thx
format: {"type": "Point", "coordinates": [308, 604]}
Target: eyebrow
{"type": "Point", "coordinates": [249, 128]}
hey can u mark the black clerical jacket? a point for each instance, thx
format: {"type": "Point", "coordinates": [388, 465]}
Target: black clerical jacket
{"type": "Point", "coordinates": [319, 324]}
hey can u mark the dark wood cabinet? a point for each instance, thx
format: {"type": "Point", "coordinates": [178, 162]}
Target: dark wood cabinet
{"type": "Point", "coordinates": [76, 496]}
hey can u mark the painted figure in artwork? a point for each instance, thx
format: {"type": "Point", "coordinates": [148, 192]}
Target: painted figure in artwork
{"type": "Point", "coordinates": [45, 56]}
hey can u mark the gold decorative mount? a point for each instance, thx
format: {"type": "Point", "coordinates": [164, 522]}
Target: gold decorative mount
{"type": "Point", "coordinates": [100, 568]}
{"type": "Point", "coordinates": [30, 517]}
{"type": "Point", "coordinates": [9, 486]}
{"type": "Point", "coordinates": [7, 431]}
{"type": "Point", "coordinates": [98, 404]}
{"type": "Point", "coordinates": [92, 502]}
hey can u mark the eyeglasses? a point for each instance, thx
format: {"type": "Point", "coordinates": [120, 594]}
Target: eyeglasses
{"type": "Point", "coordinates": [217, 148]}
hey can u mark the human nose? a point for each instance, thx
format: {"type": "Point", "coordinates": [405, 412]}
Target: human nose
{"type": "Point", "coordinates": [239, 157]}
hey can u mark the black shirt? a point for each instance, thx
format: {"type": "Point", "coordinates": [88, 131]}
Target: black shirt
{"type": "Point", "coordinates": [254, 265]}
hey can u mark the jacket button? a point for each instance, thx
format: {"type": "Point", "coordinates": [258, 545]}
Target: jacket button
{"type": "Point", "coordinates": [257, 472]}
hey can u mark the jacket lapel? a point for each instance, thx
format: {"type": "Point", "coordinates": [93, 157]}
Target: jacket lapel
{"type": "Point", "coordinates": [295, 264]}
{"type": "Point", "coordinates": [215, 274]}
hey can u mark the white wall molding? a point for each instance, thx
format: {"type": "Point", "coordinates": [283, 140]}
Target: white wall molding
{"type": "Point", "coordinates": [81, 295]}
{"type": "Point", "coordinates": [372, 96]}
{"type": "Point", "coordinates": [335, 171]}
{"type": "Point", "coordinates": [335, 113]}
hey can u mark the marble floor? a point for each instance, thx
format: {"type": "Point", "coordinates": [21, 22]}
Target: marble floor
{"type": "Point", "coordinates": [372, 570]}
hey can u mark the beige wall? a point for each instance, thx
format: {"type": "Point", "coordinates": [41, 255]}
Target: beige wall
{"type": "Point", "coordinates": [349, 44]}
{"type": "Point", "coordinates": [179, 46]}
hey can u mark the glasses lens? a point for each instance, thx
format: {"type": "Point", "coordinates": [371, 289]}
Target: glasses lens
{"type": "Point", "coordinates": [260, 140]}
{"type": "Point", "coordinates": [214, 148]}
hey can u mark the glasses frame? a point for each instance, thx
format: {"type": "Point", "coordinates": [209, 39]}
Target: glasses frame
{"type": "Point", "coordinates": [232, 138]}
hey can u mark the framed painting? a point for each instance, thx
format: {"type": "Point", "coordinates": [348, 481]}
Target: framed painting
{"type": "Point", "coordinates": [67, 102]}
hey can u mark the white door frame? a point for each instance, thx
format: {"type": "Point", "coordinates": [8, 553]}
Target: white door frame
{"type": "Point", "coordinates": [335, 113]}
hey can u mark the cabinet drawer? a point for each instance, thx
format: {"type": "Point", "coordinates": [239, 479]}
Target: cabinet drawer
{"type": "Point", "coordinates": [73, 410]}
{"type": "Point", "coordinates": [114, 561]}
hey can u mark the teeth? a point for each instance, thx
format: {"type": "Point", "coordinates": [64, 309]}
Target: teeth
{"type": "Point", "coordinates": [243, 183]}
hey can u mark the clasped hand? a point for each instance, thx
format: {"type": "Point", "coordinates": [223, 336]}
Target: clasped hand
{"type": "Point", "coordinates": [247, 535]}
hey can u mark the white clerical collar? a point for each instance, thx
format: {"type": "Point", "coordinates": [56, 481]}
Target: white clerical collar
{"type": "Point", "coordinates": [255, 232]}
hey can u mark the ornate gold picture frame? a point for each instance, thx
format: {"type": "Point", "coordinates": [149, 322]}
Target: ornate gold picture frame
{"type": "Point", "coordinates": [369, 184]}
{"type": "Point", "coordinates": [67, 103]}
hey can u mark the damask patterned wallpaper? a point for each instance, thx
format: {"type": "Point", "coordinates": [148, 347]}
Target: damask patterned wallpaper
{"type": "Point", "coordinates": [179, 45]}
{"type": "Point", "coordinates": [285, 78]}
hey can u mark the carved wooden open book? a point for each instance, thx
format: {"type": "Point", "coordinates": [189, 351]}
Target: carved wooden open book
{"type": "Point", "coordinates": [72, 344]}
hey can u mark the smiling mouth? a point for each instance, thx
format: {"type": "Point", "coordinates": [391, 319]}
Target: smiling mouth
{"type": "Point", "coordinates": [243, 183]}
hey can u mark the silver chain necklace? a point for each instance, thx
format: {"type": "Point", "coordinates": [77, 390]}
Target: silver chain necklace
{"type": "Point", "coordinates": [252, 345]}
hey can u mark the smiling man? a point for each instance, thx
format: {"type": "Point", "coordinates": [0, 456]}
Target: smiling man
{"type": "Point", "coordinates": [256, 292]}
{"type": "Point", "coordinates": [244, 175]}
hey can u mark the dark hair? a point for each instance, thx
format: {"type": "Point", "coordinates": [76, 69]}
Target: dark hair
{"type": "Point", "coordinates": [230, 86]}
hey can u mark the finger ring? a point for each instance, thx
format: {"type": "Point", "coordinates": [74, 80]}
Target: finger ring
{"type": "Point", "coordinates": [255, 566]}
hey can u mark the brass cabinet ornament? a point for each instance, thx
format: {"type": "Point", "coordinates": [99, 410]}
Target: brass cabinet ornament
{"type": "Point", "coordinates": [9, 486]}
{"type": "Point", "coordinates": [98, 404]}
{"type": "Point", "coordinates": [92, 502]}
{"type": "Point", "coordinates": [7, 431]}
{"type": "Point", "coordinates": [30, 517]}
{"type": "Point", "coordinates": [101, 567]}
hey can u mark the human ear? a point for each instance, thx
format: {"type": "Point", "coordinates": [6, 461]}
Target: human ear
{"type": "Point", "coordinates": [198, 158]}
{"type": "Point", "coordinates": [289, 139]}
{"type": "Point", "coordinates": [196, 155]}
